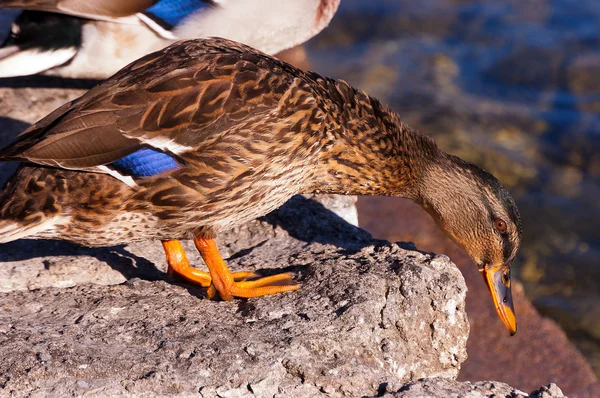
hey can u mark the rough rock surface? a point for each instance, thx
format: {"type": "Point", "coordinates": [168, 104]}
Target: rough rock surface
{"type": "Point", "coordinates": [438, 387]}
{"type": "Point", "coordinates": [369, 313]}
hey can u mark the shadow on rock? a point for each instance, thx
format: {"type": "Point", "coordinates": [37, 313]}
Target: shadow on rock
{"type": "Point", "coordinates": [117, 257]}
{"type": "Point", "coordinates": [310, 221]}
{"type": "Point", "coordinates": [303, 219]}
{"type": "Point", "coordinates": [9, 129]}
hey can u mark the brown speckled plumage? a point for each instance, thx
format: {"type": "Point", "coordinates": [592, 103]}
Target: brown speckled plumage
{"type": "Point", "coordinates": [260, 130]}
{"type": "Point", "coordinates": [248, 132]}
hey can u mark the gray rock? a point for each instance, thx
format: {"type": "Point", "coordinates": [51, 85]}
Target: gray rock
{"type": "Point", "coordinates": [439, 387]}
{"type": "Point", "coordinates": [370, 313]}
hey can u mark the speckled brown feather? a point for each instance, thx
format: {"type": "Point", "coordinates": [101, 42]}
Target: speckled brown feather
{"type": "Point", "coordinates": [259, 131]}
{"type": "Point", "coordinates": [189, 95]}
{"type": "Point", "coordinates": [251, 121]}
{"type": "Point", "coordinates": [249, 131]}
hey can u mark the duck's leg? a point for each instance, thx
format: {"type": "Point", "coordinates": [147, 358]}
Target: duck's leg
{"type": "Point", "coordinates": [223, 281]}
{"type": "Point", "coordinates": [179, 264]}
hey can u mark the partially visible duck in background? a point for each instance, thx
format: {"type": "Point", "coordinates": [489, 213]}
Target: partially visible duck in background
{"type": "Point", "coordinates": [94, 39]}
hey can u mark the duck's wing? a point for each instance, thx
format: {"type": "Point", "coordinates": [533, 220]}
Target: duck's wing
{"type": "Point", "coordinates": [96, 9]}
{"type": "Point", "coordinates": [175, 102]}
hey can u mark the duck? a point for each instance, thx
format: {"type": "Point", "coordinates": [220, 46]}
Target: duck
{"type": "Point", "coordinates": [93, 40]}
{"type": "Point", "coordinates": [207, 134]}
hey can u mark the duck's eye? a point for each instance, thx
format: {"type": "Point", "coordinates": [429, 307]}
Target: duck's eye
{"type": "Point", "coordinates": [500, 224]}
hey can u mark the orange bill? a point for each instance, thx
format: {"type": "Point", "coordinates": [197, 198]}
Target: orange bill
{"type": "Point", "coordinates": [497, 279]}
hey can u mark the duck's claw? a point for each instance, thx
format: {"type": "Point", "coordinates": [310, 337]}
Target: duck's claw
{"type": "Point", "coordinates": [203, 278]}
{"type": "Point", "coordinates": [278, 280]}
{"type": "Point", "coordinates": [226, 283]}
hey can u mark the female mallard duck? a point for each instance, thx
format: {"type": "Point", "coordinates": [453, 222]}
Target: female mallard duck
{"type": "Point", "coordinates": [96, 39]}
{"type": "Point", "coordinates": [207, 134]}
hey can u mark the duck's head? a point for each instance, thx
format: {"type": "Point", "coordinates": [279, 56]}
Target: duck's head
{"type": "Point", "coordinates": [479, 215]}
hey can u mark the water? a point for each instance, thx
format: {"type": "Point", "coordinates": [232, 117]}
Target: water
{"type": "Point", "coordinates": [512, 86]}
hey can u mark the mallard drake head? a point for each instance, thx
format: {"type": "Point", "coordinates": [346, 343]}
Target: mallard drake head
{"type": "Point", "coordinates": [473, 208]}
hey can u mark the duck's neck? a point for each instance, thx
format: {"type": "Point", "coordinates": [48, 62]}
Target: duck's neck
{"type": "Point", "coordinates": [369, 151]}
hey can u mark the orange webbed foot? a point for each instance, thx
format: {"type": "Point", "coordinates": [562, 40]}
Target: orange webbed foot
{"type": "Point", "coordinates": [178, 264]}
{"type": "Point", "coordinates": [220, 279]}
{"type": "Point", "coordinates": [225, 282]}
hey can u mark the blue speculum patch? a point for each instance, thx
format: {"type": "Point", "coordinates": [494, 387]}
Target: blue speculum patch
{"type": "Point", "coordinates": [145, 163]}
{"type": "Point", "coordinates": [172, 12]}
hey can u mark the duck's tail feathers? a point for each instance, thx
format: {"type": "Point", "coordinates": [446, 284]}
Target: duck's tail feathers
{"type": "Point", "coordinates": [28, 207]}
